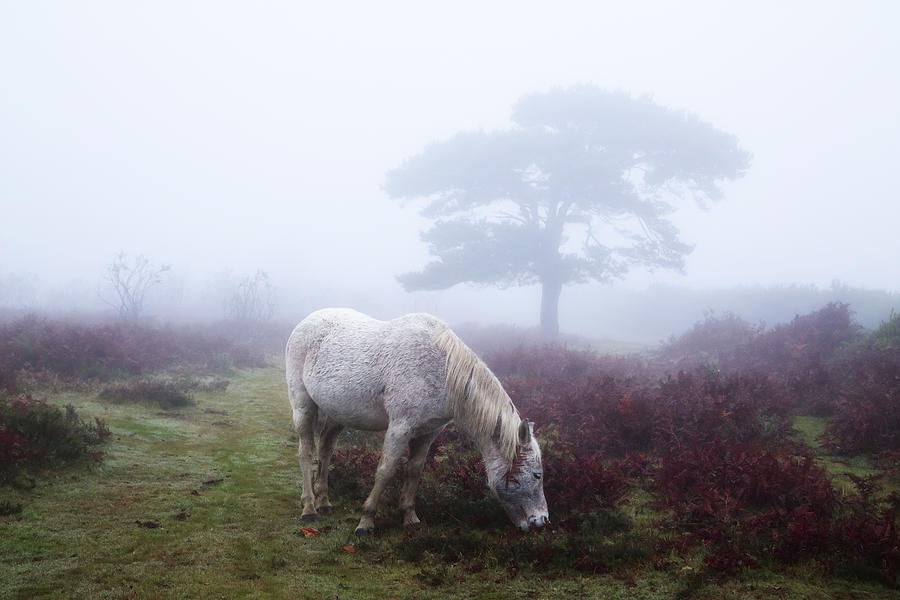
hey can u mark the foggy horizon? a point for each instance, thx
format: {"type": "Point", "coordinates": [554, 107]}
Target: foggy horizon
{"type": "Point", "coordinates": [222, 139]}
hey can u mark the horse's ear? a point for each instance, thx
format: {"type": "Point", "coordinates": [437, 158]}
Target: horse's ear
{"type": "Point", "coordinates": [525, 429]}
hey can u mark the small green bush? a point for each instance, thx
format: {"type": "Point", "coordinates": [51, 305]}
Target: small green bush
{"type": "Point", "coordinates": [888, 333]}
{"type": "Point", "coordinates": [34, 432]}
{"type": "Point", "coordinates": [203, 384]}
{"type": "Point", "coordinates": [162, 393]}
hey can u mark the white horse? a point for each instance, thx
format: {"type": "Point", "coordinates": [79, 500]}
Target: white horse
{"type": "Point", "coordinates": [410, 376]}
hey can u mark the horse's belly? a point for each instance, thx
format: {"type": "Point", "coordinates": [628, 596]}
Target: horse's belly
{"type": "Point", "coordinates": [350, 402]}
{"type": "Point", "coordinates": [371, 419]}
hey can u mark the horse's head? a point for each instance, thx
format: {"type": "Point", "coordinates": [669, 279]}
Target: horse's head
{"type": "Point", "coordinates": [521, 489]}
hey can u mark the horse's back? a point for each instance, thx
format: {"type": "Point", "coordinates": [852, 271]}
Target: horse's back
{"type": "Point", "coordinates": [355, 334]}
{"type": "Point", "coordinates": [360, 371]}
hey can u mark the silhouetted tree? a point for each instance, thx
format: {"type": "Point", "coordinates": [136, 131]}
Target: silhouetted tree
{"type": "Point", "coordinates": [130, 281]}
{"type": "Point", "coordinates": [578, 189]}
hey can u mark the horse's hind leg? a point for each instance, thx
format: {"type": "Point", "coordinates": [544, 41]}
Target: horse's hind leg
{"type": "Point", "coordinates": [327, 438]}
{"type": "Point", "coordinates": [305, 413]}
{"type": "Point", "coordinates": [418, 452]}
{"type": "Point", "coordinates": [395, 441]}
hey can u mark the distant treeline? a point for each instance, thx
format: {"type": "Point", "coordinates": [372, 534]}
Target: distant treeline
{"type": "Point", "coordinates": [655, 314]}
{"type": "Point", "coordinates": [604, 317]}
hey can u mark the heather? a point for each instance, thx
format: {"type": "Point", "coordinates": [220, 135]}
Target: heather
{"type": "Point", "coordinates": [803, 356]}
{"type": "Point", "coordinates": [867, 409]}
{"type": "Point", "coordinates": [821, 363]}
{"type": "Point", "coordinates": [704, 440]}
{"type": "Point", "coordinates": [679, 472]}
{"type": "Point", "coordinates": [37, 351]}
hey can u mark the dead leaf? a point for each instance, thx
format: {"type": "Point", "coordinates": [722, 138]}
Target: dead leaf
{"type": "Point", "coordinates": [310, 532]}
{"type": "Point", "coordinates": [350, 549]}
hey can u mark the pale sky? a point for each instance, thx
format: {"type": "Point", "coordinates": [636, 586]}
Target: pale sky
{"type": "Point", "coordinates": [231, 136]}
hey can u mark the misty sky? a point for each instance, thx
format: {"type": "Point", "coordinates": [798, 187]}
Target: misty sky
{"type": "Point", "coordinates": [235, 136]}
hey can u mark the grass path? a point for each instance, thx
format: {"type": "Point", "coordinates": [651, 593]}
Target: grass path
{"type": "Point", "coordinates": [221, 481]}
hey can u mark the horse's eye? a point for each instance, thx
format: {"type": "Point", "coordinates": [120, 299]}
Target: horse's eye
{"type": "Point", "coordinates": [537, 475]}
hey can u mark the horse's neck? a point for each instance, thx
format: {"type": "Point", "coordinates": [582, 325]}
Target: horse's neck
{"type": "Point", "coordinates": [495, 464]}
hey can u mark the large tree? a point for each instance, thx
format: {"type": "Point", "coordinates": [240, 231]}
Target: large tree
{"type": "Point", "coordinates": [578, 189]}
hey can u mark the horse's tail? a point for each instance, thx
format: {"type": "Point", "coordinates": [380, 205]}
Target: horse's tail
{"type": "Point", "coordinates": [294, 359]}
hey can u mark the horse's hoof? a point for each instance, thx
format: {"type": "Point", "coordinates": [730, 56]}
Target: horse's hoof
{"type": "Point", "coordinates": [412, 525]}
{"type": "Point", "coordinates": [309, 518]}
{"type": "Point", "coordinates": [360, 532]}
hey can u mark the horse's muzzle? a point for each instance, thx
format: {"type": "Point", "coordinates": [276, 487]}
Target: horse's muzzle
{"type": "Point", "coordinates": [538, 521]}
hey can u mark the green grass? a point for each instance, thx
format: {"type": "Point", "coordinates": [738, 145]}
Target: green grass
{"type": "Point", "coordinates": [229, 462]}
{"type": "Point", "coordinates": [809, 430]}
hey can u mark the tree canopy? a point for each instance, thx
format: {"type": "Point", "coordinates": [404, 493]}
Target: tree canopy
{"type": "Point", "coordinates": [579, 188]}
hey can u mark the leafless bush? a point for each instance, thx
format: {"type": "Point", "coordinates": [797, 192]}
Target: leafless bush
{"type": "Point", "coordinates": [130, 281]}
{"type": "Point", "coordinates": [253, 301]}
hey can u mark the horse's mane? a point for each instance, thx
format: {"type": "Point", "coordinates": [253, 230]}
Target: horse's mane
{"type": "Point", "coordinates": [476, 399]}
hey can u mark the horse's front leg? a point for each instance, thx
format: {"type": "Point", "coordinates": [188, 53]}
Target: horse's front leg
{"type": "Point", "coordinates": [395, 440]}
{"type": "Point", "coordinates": [418, 453]}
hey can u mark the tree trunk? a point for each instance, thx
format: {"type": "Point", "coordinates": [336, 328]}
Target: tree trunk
{"type": "Point", "coordinates": [550, 290]}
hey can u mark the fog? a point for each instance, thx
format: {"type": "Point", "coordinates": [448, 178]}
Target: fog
{"type": "Point", "coordinates": [223, 138]}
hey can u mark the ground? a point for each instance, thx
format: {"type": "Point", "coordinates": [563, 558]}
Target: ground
{"type": "Point", "coordinates": [204, 503]}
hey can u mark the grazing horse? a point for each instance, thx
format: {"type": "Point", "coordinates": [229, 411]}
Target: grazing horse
{"type": "Point", "coordinates": [408, 377]}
